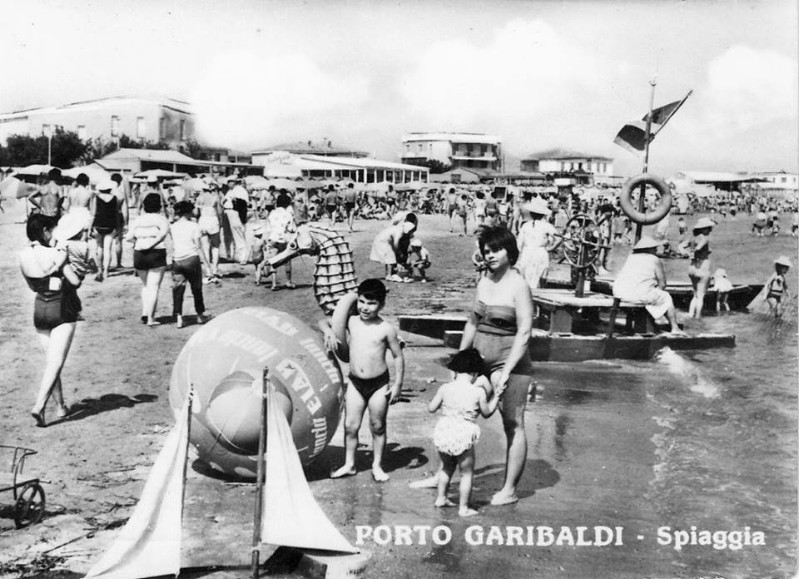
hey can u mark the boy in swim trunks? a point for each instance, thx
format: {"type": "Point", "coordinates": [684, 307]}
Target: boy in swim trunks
{"type": "Point", "coordinates": [360, 336]}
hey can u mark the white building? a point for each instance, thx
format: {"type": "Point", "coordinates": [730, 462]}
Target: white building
{"type": "Point", "coordinates": [147, 118]}
{"type": "Point", "coordinates": [473, 151]}
{"type": "Point", "coordinates": [566, 161]}
{"type": "Point", "coordinates": [359, 169]}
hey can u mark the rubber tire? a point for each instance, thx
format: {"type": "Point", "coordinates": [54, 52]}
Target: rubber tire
{"type": "Point", "coordinates": [626, 202]}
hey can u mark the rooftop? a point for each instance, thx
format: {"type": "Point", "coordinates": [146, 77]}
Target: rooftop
{"type": "Point", "coordinates": [178, 105]}
{"type": "Point", "coordinates": [557, 154]}
{"type": "Point", "coordinates": [324, 147]}
{"type": "Point", "coordinates": [452, 137]}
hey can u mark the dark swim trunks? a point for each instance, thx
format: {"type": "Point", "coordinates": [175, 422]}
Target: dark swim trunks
{"type": "Point", "coordinates": [366, 387]}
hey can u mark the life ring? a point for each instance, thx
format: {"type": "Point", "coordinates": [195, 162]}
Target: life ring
{"type": "Point", "coordinates": [650, 217]}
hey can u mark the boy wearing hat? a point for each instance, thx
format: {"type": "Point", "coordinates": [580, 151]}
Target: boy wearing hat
{"type": "Point", "coordinates": [643, 279]}
{"type": "Point", "coordinates": [418, 260]}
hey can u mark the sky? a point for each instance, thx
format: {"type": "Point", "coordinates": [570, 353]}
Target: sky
{"type": "Point", "coordinates": [538, 74]}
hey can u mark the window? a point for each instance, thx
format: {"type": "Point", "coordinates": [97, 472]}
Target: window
{"type": "Point", "coordinates": [114, 126]}
{"type": "Point", "coordinates": [162, 128]}
{"type": "Point", "coordinates": [141, 128]}
{"type": "Point", "coordinates": [182, 129]}
{"type": "Point", "coordinates": [46, 130]}
{"type": "Point", "coordinates": [82, 132]}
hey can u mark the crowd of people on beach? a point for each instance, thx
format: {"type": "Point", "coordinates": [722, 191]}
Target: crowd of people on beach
{"type": "Point", "coordinates": [77, 231]}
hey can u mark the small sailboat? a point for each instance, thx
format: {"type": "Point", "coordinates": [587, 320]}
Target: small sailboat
{"type": "Point", "coordinates": [286, 513]}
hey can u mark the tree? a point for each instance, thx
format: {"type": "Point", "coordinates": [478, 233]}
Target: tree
{"type": "Point", "coordinates": [100, 146]}
{"type": "Point", "coordinates": [66, 149]}
{"type": "Point", "coordinates": [434, 165]}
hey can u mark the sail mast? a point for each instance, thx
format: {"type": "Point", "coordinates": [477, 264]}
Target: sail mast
{"type": "Point", "coordinates": [261, 475]}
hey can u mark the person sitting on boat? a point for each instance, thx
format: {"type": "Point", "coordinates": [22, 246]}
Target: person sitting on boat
{"type": "Point", "coordinates": [642, 279]}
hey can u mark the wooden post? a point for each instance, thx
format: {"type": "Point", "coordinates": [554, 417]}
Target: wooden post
{"type": "Point", "coordinates": [642, 195]}
{"type": "Point", "coordinates": [261, 475]}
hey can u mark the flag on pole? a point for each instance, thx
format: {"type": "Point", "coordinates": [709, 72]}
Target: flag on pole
{"type": "Point", "coordinates": [291, 515]}
{"type": "Point", "coordinates": [632, 136]}
{"type": "Point", "coordinates": [149, 543]}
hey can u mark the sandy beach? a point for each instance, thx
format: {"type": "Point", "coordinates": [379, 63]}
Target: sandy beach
{"type": "Point", "coordinates": [596, 431]}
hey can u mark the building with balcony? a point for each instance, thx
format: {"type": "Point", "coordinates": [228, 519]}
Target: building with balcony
{"type": "Point", "coordinates": [474, 151]}
{"type": "Point", "coordinates": [155, 119]}
{"type": "Point", "coordinates": [564, 163]}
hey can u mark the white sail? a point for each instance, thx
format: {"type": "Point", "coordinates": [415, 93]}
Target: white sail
{"type": "Point", "coordinates": [291, 516]}
{"type": "Point", "coordinates": [150, 542]}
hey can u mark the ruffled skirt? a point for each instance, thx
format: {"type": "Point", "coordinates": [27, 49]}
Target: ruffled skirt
{"type": "Point", "coordinates": [454, 436]}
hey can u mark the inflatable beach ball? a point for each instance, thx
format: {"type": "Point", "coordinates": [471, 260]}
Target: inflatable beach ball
{"type": "Point", "coordinates": [225, 360]}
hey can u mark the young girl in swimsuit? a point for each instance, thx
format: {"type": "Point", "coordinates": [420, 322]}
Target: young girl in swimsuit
{"type": "Point", "coordinates": [776, 286]}
{"type": "Point", "coordinates": [456, 432]}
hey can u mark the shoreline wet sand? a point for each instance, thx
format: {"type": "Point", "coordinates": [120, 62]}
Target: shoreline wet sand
{"type": "Point", "coordinates": [605, 445]}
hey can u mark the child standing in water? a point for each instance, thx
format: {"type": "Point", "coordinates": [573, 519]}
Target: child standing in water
{"type": "Point", "coordinates": [776, 286]}
{"type": "Point", "coordinates": [723, 286]}
{"type": "Point", "coordinates": [457, 432]}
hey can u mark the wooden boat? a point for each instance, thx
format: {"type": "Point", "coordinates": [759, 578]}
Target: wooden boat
{"type": "Point", "coordinates": [574, 329]}
{"type": "Point", "coordinates": [681, 292]}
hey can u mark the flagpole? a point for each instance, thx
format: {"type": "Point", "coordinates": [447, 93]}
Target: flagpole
{"type": "Point", "coordinates": [261, 474]}
{"type": "Point", "coordinates": [642, 195]}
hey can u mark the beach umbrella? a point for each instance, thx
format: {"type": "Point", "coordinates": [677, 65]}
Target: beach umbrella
{"type": "Point", "coordinates": [32, 172]}
{"type": "Point", "coordinates": [288, 184]}
{"type": "Point", "coordinates": [95, 173]}
{"type": "Point", "coordinates": [256, 182]}
{"type": "Point", "coordinates": [13, 188]}
{"type": "Point", "coordinates": [161, 174]}
{"type": "Point", "coordinates": [193, 184]}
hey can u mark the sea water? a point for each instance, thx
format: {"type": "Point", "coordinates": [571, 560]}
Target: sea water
{"type": "Point", "coordinates": [727, 446]}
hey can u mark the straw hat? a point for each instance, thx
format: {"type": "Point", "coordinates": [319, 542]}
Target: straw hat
{"type": "Point", "coordinates": [783, 260]}
{"type": "Point", "coordinates": [416, 242]}
{"type": "Point", "coordinates": [645, 242]}
{"type": "Point", "coordinates": [704, 222]}
{"type": "Point", "coordinates": [69, 226]}
{"type": "Point", "coordinates": [537, 206]}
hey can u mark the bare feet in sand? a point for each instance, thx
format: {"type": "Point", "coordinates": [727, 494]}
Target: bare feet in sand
{"type": "Point", "coordinates": [343, 471]}
{"type": "Point", "coordinates": [466, 512]}
{"type": "Point", "coordinates": [500, 499]}
{"type": "Point", "coordinates": [379, 474]}
{"type": "Point", "coordinates": [445, 502]}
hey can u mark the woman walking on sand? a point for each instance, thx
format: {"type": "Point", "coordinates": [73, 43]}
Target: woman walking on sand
{"type": "Point", "coordinates": [148, 233]}
{"type": "Point", "coordinates": [56, 308]}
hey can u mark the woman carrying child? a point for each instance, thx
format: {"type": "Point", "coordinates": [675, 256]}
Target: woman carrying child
{"type": "Point", "coordinates": [56, 309]}
{"type": "Point", "coordinates": [456, 432]}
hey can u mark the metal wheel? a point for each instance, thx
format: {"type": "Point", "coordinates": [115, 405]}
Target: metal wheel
{"type": "Point", "coordinates": [29, 508]}
{"type": "Point", "coordinates": [582, 241]}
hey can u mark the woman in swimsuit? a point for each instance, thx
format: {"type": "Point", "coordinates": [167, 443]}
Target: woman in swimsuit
{"type": "Point", "coordinates": [106, 224]}
{"type": "Point", "coordinates": [699, 270]}
{"type": "Point", "coordinates": [499, 328]}
{"type": "Point", "coordinates": [55, 311]}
